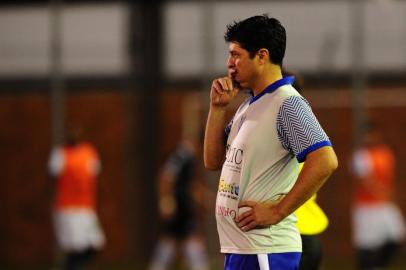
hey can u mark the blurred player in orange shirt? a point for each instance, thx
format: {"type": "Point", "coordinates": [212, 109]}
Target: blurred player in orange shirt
{"type": "Point", "coordinates": [378, 226]}
{"type": "Point", "coordinates": [75, 166]}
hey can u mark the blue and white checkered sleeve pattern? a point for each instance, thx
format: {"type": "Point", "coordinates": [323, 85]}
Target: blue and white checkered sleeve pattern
{"type": "Point", "coordinates": [298, 129]}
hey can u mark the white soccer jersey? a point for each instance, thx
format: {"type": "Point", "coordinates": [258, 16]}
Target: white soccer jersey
{"type": "Point", "coordinates": [264, 137]}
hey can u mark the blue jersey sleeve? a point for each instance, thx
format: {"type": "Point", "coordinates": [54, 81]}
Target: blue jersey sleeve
{"type": "Point", "coordinates": [298, 129]}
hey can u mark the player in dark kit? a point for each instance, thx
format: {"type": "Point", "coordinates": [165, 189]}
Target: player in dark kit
{"type": "Point", "coordinates": [177, 208]}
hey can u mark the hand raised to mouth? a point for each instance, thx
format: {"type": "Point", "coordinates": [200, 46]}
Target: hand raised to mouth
{"type": "Point", "coordinates": [222, 91]}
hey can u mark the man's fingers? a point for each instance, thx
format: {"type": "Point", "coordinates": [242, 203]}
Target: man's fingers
{"type": "Point", "coordinates": [217, 87]}
{"type": "Point", "coordinates": [223, 83]}
{"type": "Point", "coordinates": [229, 83]}
{"type": "Point", "coordinates": [222, 91]}
{"type": "Point", "coordinates": [249, 226]}
{"type": "Point", "coordinates": [246, 204]}
{"type": "Point", "coordinates": [246, 220]}
{"type": "Point", "coordinates": [243, 215]}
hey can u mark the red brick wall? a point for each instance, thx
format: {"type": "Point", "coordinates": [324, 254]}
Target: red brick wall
{"type": "Point", "coordinates": [25, 218]}
{"type": "Point", "coordinates": [25, 225]}
{"type": "Point", "coordinates": [26, 235]}
{"type": "Point", "coordinates": [386, 107]}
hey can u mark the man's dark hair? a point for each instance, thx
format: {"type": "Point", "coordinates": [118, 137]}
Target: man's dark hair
{"type": "Point", "coordinates": [259, 32]}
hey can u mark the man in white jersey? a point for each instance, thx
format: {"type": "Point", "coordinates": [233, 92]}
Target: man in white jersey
{"type": "Point", "coordinates": [259, 151]}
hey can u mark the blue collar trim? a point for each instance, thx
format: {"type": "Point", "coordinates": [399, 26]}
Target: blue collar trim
{"type": "Point", "coordinates": [273, 86]}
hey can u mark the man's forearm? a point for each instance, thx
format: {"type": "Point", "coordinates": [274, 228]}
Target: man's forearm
{"type": "Point", "coordinates": [214, 148]}
{"type": "Point", "coordinates": [317, 169]}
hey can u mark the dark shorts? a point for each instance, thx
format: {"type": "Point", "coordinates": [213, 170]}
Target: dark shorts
{"type": "Point", "coordinates": [181, 226]}
{"type": "Point", "coordinates": [311, 254]}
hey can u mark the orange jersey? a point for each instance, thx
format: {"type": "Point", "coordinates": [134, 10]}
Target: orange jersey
{"type": "Point", "coordinates": [76, 179]}
{"type": "Point", "coordinates": [376, 174]}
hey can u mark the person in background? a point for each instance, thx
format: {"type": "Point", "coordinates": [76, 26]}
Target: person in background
{"type": "Point", "coordinates": [75, 166]}
{"type": "Point", "coordinates": [378, 226]}
{"type": "Point", "coordinates": [311, 220]}
{"type": "Point", "coordinates": [178, 192]}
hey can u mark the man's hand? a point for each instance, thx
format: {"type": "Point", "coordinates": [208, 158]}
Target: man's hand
{"type": "Point", "coordinates": [222, 92]}
{"type": "Point", "coordinates": [258, 215]}
{"type": "Point", "coordinates": [318, 167]}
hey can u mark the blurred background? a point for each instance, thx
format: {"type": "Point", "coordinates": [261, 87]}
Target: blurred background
{"type": "Point", "coordinates": [136, 76]}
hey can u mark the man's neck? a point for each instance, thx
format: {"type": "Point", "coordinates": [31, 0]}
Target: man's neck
{"type": "Point", "coordinates": [270, 76]}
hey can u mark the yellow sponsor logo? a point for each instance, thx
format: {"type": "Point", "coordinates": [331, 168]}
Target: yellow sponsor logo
{"type": "Point", "coordinates": [231, 188]}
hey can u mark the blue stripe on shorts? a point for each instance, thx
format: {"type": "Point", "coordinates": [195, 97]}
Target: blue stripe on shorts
{"type": "Point", "coordinates": [271, 261]}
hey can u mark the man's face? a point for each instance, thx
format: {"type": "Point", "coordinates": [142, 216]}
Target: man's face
{"type": "Point", "coordinates": [241, 68]}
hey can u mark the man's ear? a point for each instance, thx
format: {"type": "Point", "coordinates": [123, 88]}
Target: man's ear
{"type": "Point", "coordinates": [263, 55]}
